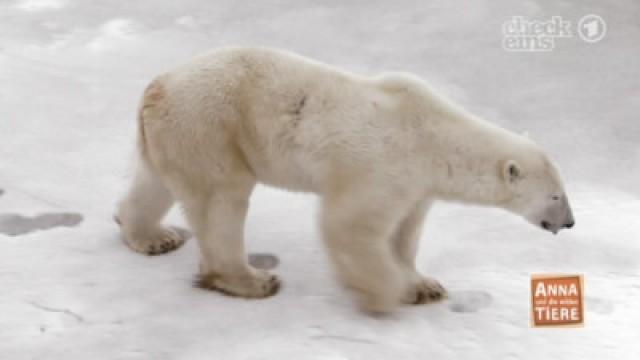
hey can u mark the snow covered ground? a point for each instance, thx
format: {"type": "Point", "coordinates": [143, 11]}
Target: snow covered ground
{"type": "Point", "coordinates": [71, 73]}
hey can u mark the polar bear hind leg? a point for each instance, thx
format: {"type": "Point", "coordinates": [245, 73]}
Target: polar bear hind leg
{"type": "Point", "coordinates": [141, 212]}
{"type": "Point", "coordinates": [198, 160]}
{"type": "Point", "coordinates": [216, 210]}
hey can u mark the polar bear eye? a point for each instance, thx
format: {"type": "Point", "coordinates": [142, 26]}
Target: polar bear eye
{"type": "Point", "coordinates": [555, 197]}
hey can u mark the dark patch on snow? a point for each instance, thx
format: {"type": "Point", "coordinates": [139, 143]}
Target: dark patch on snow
{"type": "Point", "coordinates": [263, 261]}
{"type": "Point", "coordinates": [15, 224]}
{"type": "Point", "coordinates": [68, 312]}
{"type": "Point", "coordinates": [469, 301]}
{"type": "Point", "coordinates": [1, 192]}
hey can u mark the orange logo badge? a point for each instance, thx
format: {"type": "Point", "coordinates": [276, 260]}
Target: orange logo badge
{"type": "Point", "coordinates": [557, 300]}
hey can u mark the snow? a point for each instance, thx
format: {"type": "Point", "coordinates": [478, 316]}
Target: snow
{"type": "Point", "coordinates": [72, 73]}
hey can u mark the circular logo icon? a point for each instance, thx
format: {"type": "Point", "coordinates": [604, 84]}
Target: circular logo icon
{"type": "Point", "coordinates": [592, 28]}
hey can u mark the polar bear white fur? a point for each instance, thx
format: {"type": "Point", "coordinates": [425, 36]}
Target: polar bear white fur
{"type": "Point", "coordinates": [378, 150]}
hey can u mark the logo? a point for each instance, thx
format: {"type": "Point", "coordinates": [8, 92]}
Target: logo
{"type": "Point", "coordinates": [523, 34]}
{"type": "Point", "coordinates": [557, 300]}
{"type": "Point", "coordinates": [592, 28]}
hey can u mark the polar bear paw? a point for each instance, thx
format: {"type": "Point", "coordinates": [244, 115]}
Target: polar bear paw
{"type": "Point", "coordinates": [254, 284]}
{"type": "Point", "coordinates": [160, 241]}
{"type": "Point", "coordinates": [425, 290]}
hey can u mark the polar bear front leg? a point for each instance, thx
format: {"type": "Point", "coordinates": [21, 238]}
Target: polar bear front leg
{"type": "Point", "coordinates": [357, 231]}
{"type": "Point", "coordinates": [218, 222]}
{"type": "Point", "coordinates": [406, 238]}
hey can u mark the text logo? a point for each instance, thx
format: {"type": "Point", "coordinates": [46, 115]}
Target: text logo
{"type": "Point", "coordinates": [523, 34]}
{"type": "Point", "coordinates": [557, 300]}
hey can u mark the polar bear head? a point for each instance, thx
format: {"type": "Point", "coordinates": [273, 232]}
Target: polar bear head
{"type": "Point", "coordinates": [535, 192]}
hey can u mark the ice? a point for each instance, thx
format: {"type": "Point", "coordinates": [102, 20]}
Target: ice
{"type": "Point", "coordinates": [72, 72]}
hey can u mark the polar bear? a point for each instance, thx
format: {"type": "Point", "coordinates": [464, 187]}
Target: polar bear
{"type": "Point", "coordinates": [377, 150]}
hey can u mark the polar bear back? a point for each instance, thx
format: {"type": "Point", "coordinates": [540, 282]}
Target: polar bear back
{"type": "Point", "coordinates": [297, 122]}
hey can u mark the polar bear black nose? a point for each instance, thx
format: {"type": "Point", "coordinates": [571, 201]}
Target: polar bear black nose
{"type": "Point", "coordinates": [569, 225]}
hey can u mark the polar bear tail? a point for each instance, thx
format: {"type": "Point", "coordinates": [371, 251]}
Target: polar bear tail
{"type": "Point", "coordinates": [142, 143]}
{"type": "Point", "coordinates": [152, 105]}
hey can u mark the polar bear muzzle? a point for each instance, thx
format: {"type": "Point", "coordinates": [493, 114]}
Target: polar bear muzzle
{"type": "Point", "coordinates": [558, 216]}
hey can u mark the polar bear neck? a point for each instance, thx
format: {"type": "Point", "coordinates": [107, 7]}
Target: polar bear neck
{"type": "Point", "coordinates": [466, 154]}
{"type": "Point", "coordinates": [471, 171]}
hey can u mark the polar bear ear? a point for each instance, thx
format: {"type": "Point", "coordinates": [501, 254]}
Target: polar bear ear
{"type": "Point", "coordinates": [511, 171]}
